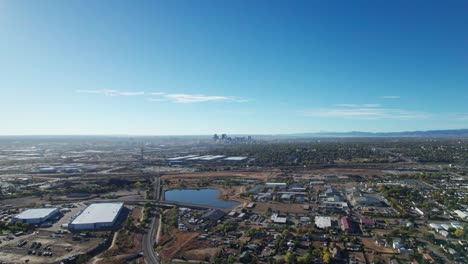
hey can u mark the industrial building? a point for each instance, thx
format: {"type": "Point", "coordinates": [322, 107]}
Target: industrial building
{"type": "Point", "coordinates": [97, 216]}
{"type": "Point", "coordinates": [277, 219]}
{"type": "Point", "coordinates": [213, 215]}
{"type": "Point", "coordinates": [234, 159]}
{"type": "Point", "coordinates": [36, 215]}
{"type": "Point", "coordinates": [323, 221]}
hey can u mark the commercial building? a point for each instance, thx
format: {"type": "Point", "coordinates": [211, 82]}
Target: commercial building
{"type": "Point", "coordinates": [435, 226]}
{"type": "Point", "coordinates": [278, 219]}
{"type": "Point", "coordinates": [36, 215]}
{"type": "Point", "coordinates": [251, 205]}
{"type": "Point", "coordinates": [234, 159]}
{"type": "Point", "coordinates": [47, 170]}
{"type": "Point", "coordinates": [461, 214]}
{"type": "Point", "coordinates": [348, 225]}
{"type": "Point", "coordinates": [419, 211]}
{"type": "Point", "coordinates": [367, 222]}
{"type": "Point", "coordinates": [278, 185]}
{"type": "Point", "coordinates": [213, 215]}
{"type": "Point", "coordinates": [97, 216]}
{"type": "Point", "coordinates": [212, 157]}
{"type": "Point", "coordinates": [358, 199]}
{"type": "Point", "coordinates": [323, 221]}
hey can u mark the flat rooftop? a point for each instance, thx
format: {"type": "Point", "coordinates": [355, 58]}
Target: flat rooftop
{"type": "Point", "coordinates": [98, 213]}
{"type": "Point", "coordinates": [213, 157]}
{"type": "Point", "coordinates": [235, 158]}
{"type": "Point", "coordinates": [323, 221]}
{"type": "Point", "coordinates": [35, 213]}
{"type": "Point", "coordinates": [181, 157]}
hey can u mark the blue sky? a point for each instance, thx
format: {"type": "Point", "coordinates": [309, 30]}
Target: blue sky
{"type": "Point", "coordinates": [251, 67]}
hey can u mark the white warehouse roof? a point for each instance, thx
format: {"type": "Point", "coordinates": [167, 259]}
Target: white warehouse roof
{"type": "Point", "coordinates": [235, 158]}
{"type": "Point", "coordinates": [98, 213]}
{"type": "Point", "coordinates": [323, 221]}
{"type": "Point", "coordinates": [36, 213]}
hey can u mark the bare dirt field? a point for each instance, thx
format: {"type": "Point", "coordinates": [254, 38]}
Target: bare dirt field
{"type": "Point", "coordinates": [179, 241]}
{"type": "Point", "coordinates": [12, 254]}
{"type": "Point", "coordinates": [124, 244]}
{"type": "Point", "coordinates": [261, 207]}
{"type": "Point", "coordinates": [219, 174]}
{"type": "Point", "coordinates": [369, 244]}
{"type": "Point", "coordinates": [201, 254]}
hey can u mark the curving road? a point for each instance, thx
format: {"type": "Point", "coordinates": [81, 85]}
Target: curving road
{"type": "Point", "coordinates": [148, 248]}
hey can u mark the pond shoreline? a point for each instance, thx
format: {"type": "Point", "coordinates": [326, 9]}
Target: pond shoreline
{"type": "Point", "coordinates": [219, 198]}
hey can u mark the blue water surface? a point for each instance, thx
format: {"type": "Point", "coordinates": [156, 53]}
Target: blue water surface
{"type": "Point", "coordinates": [201, 197]}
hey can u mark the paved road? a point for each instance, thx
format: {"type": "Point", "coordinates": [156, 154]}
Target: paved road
{"type": "Point", "coordinates": [157, 188]}
{"type": "Point", "coordinates": [148, 249]}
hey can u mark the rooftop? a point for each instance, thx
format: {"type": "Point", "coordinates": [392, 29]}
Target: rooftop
{"type": "Point", "coordinates": [98, 213]}
{"type": "Point", "coordinates": [235, 158]}
{"type": "Point", "coordinates": [213, 215]}
{"type": "Point", "coordinates": [278, 219]}
{"type": "Point", "coordinates": [323, 221]}
{"type": "Point", "coordinates": [35, 213]}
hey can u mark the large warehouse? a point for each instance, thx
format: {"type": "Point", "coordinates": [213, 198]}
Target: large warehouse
{"type": "Point", "coordinates": [36, 215]}
{"type": "Point", "coordinates": [97, 216]}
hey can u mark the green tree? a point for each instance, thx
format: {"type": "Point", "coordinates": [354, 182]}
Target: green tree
{"type": "Point", "coordinates": [459, 232]}
{"type": "Point", "coordinates": [290, 258]}
{"type": "Point", "coordinates": [306, 258]}
{"type": "Point", "coordinates": [327, 257]}
{"type": "Point", "coordinates": [138, 185]}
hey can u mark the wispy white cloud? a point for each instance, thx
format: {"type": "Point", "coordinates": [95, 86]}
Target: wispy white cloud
{"type": "Point", "coordinates": [170, 97]}
{"type": "Point", "coordinates": [131, 93]}
{"type": "Point", "coordinates": [357, 105]}
{"type": "Point", "coordinates": [358, 112]}
{"type": "Point", "coordinates": [156, 99]}
{"type": "Point", "coordinates": [389, 97]}
{"type": "Point", "coordinates": [198, 98]}
{"type": "Point", "coordinates": [108, 92]}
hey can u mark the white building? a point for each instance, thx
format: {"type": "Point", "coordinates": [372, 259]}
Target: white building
{"type": "Point", "coordinates": [461, 214]}
{"type": "Point", "coordinates": [444, 233]}
{"type": "Point", "coordinates": [36, 215]}
{"type": "Point", "coordinates": [435, 226]}
{"type": "Point", "coordinates": [323, 221]}
{"type": "Point", "coordinates": [445, 226]}
{"type": "Point", "coordinates": [97, 216]}
{"type": "Point", "coordinates": [277, 219]}
{"type": "Point", "coordinates": [397, 243]}
{"type": "Point", "coordinates": [235, 159]}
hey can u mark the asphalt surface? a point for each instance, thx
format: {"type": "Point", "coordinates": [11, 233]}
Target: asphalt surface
{"type": "Point", "coordinates": [148, 249]}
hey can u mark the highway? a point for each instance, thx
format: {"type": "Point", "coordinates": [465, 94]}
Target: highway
{"type": "Point", "coordinates": [157, 188]}
{"type": "Point", "coordinates": [148, 244]}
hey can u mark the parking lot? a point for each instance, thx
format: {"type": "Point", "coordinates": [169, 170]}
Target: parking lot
{"type": "Point", "coordinates": [67, 217]}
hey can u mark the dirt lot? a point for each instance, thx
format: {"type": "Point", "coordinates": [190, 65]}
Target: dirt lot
{"type": "Point", "coordinates": [123, 245]}
{"type": "Point", "coordinates": [369, 245]}
{"type": "Point", "coordinates": [12, 254]}
{"type": "Point", "coordinates": [261, 207]}
{"type": "Point", "coordinates": [216, 174]}
{"type": "Point", "coordinates": [201, 254]}
{"type": "Point", "coordinates": [179, 241]}
{"type": "Point", "coordinates": [24, 202]}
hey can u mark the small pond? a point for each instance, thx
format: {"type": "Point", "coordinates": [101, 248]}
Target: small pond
{"type": "Point", "coordinates": [201, 197]}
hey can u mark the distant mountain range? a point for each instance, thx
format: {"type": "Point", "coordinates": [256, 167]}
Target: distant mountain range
{"type": "Point", "coordinates": [428, 133]}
